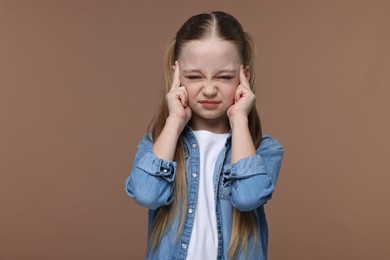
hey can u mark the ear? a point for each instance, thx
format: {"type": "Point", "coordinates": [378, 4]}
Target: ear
{"type": "Point", "coordinates": [247, 73]}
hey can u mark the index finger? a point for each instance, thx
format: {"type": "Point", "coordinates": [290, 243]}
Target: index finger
{"type": "Point", "coordinates": [176, 76]}
{"type": "Point", "coordinates": [243, 79]}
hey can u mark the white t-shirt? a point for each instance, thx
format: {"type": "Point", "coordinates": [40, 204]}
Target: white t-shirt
{"type": "Point", "coordinates": [204, 237]}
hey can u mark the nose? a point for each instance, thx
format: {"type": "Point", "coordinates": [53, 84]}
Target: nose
{"type": "Point", "coordinates": [209, 89]}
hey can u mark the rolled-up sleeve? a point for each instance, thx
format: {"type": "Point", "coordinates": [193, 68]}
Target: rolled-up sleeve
{"type": "Point", "coordinates": [152, 165]}
{"type": "Point", "coordinates": [253, 178]}
{"type": "Point", "coordinates": [151, 179]}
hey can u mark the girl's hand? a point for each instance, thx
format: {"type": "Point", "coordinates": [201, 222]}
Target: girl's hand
{"type": "Point", "coordinates": [177, 99]}
{"type": "Point", "coordinates": [244, 99]}
{"type": "Point", "coordinates": [179, 114]}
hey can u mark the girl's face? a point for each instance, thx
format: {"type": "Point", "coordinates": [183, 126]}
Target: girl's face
{"type": "Point", "coordinates": [209, 70]}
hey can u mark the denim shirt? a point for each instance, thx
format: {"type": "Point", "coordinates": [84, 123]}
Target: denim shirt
{"type": "Point", "coordinates": [246, 185]}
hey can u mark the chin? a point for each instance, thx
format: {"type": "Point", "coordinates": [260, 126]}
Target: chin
{"type": "Point", "coordinates": [212, 115]}
{"type": "Point", "coordinates": [209, 113]}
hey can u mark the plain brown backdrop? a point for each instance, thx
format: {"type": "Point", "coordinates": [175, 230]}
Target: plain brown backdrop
{"type": "Point", "coordinates": [80, 81]}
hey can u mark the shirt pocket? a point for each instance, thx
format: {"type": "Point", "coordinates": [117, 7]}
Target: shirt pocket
{"type": "Point", "coordinates": [225, 185]}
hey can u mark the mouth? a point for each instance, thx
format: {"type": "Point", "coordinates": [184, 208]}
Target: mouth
{"type": "Point", "coordinates": [209, 104]}
{"type": "Point", "coordinates": [206, 101]}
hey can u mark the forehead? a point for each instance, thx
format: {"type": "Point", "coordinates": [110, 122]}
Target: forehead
{"type": "Point", "coordinates": [209, 54]}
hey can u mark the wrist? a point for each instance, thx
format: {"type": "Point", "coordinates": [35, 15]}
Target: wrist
{"type": "Point", "coordinates": [238, 120]}
{"type": "Point", "coordinates": [175, 123]}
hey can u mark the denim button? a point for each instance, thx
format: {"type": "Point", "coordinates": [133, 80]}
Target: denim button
{"type": "Point", "coordinates": [184, 246]}
{"type": "Point", "coordinates": [194, 175]}
{"type": "Point", "coordinates": [193, 145]}
{"type": "Point", "coordinates": [190, 210]}
{"type": "Point", "coordinates": [165, 170]}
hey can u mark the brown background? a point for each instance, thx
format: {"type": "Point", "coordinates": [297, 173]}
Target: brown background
{"type": "Point", "coordinates": [80, 81]}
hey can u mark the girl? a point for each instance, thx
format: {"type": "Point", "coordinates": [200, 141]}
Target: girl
{"type": "Point", "coordinates": [204, 170]}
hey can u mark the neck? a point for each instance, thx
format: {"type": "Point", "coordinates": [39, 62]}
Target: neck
{"type": "Point", "coordinates": [215, 125]}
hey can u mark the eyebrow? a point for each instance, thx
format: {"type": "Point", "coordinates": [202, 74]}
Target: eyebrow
{"type": "Point", "coordinates": [221, 71]}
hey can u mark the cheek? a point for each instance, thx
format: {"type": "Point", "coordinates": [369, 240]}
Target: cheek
{"type": "Point", "coordinates": [183, 81]}
{"type": "Point", "coordinates": [191, 90]}
{"type": "Point", "coordinates": [230, 92]}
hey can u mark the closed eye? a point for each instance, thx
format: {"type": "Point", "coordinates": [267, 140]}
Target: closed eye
{"type": "Point", "coordinates": [193, 77]}
{"type": "Point", "coordinates": [225, 77]}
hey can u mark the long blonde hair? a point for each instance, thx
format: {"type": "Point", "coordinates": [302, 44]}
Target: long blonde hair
{"type": "Point", "coordinates": [198, 27]}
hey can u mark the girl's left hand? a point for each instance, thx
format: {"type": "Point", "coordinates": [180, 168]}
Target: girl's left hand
{"type": "Point", "coordinates": [244, 98]}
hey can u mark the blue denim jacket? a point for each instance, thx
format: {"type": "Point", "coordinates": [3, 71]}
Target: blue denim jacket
{"type": "Point", "coordinates": [246, 185]}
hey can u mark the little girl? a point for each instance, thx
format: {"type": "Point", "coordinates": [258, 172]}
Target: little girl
{"type": "Point", "coordinates": [204, 170]}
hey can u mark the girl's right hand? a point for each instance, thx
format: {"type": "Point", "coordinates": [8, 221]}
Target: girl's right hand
{"type": "Point", "coordinates": [177, 99]}
{"type": "Point", "coordinates": [179, 114]}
